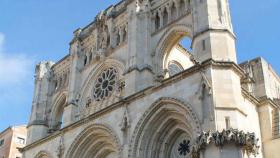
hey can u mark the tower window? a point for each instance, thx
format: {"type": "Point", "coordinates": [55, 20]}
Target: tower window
{"type": "Point", "coordinates": [85, 60]}
{"type": "Point", "coordinates": [90, 57]}
{"type": "Point", "coordinates": [276, 124]}
{"type": "Point", "coordinates": [165, 17]}
{"type": "Point", "coordinates": [182, 7]}
{"type": "Point", "coordinates": [118, 40]}
{"type": "Point", "coordinates": [173, 11]}
{"type": "Point", "coordinates": [55, 85]}
{"type": "Point", "coordinates": [203, 45]}
{"type": "Point", "coordinates": [124, 35]}
{"type": "Point", "coordinates": [157, 22]}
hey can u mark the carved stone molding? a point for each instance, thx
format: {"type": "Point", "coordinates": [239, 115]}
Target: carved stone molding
{"type": "Point", "coordinates": [246, 141]}
{"type": "Point", "coordinates": [61, 148]}
{"type": "Point", "coordinates": [138, 130]}
{"type": "Point", "coordinates": [102, 132]}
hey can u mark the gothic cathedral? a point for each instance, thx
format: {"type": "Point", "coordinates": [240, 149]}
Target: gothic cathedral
{"type": "Point", "coordinates": [155, 79]}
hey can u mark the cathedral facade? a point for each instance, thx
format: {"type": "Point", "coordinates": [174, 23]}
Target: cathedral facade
{"type": "Point", "coordinates": [129, 88]}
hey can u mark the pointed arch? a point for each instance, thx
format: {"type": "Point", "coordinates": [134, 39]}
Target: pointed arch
{"type": "Point", "coordinates": [169, 39]}
{"type": "Point", "coordinates": [182, 7]}
{"type": "Point", "coordinates": [162, 125]}
{"type": "Point", "coordinates": [99, 67]}
{"type": "Point", "coordinates": [165, 17]}
{"type": "Point", "coordinates": [43, 154]}
{"type": "Point", "coordinates": [173, 9]}
{"type": "Point", "coordinates": [88, 84]}
{"type": "Point", "coordinates": [157, 21]}
{"type": "Point", "coordinates": [95, 141]}
{"type": "Point", "coordinates": [57, 110]}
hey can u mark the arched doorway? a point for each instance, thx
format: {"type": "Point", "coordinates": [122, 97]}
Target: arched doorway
{"type": "Point", "coordinates": [166, 130]}
{"type": "Point", "coordinates": [96, 141]}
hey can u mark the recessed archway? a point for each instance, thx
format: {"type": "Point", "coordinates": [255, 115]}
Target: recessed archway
{"type": "Point", "coordinates": [96, 141]}
{"type": "Point", "coordinates": [163, 128]}
{"type": "Point", "coordinates": [57, 112]}
{"type": "Point", "coordinates": [87, 95]}
{"type": "Point", "coordinates": [174, 51]}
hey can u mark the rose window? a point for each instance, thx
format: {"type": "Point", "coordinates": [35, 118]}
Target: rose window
{"type": "Point", "coordinates": [105, 84]}
{"type": "Point", "coordinates": [184, 147]}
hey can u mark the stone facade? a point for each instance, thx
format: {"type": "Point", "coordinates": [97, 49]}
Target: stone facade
{"type": "Point", "coordinates": [128, 89]}
{"type": "Point", "coordinates": [11, 139]}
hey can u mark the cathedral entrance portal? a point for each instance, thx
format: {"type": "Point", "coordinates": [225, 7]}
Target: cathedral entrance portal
{"type": "Point", "coordinates": [96, 141]}
{"type": "Point", "coordinates": [166, 131]}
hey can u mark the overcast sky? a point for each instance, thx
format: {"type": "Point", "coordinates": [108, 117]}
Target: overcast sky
{"type": "Point", "coordinates": [36, 30]}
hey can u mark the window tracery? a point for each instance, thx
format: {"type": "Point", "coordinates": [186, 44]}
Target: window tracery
{"type": "Point", "coordinates": [121, 34]}
{"type": "Point", "coordinates": [124, 34]}
{"type": "Point", "coordinates": [85, 60]}
{"type": "Point", "coordinates": [60, 81]}
{"type": "Point", "coordinates": [105, 84]}
{"type": "Point", "coordinates": [173, 11]}
{"type": "Point", "coordinates": [184, 147]}
{"type": "Point", "coordinates": [165, 17]}
{"type": "Point", "coordinates": [174, 68]}
{"type": "Point", "coordinates": [118, 40]}
{"type": "Point", "coordinates": [182, 7]}
{"type": "Point", "coordinates": [157, 22]}
{"type": "Point", "coordinates": [168, 12]}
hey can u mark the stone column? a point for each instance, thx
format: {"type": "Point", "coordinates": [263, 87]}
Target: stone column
{"type": "Point", "coordinates": [70, 110]}
{"type": "Point", "coordinates": [138, 74]}
{"type": "Point", "coordinates": [38, 125]}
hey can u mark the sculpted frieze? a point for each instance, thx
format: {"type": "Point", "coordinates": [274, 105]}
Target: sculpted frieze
{"type": "Point", "coordinates": [248, 142]}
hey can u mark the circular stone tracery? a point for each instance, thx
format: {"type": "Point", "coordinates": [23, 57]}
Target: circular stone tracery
{"type": "Point", "coordinates": [105, 84]}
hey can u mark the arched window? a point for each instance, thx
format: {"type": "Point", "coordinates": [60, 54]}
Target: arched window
{"type": "Point", "coordinates": [60, 82]}
{"type": "Point", "coordinates": [157, 22]}
{"type": "Point", "coordinates": [165, 17]}
{"type": "Point", "coordinates": [90, 57]}
{"type": "Point", "coordinates": [64, 79]}
{"type": "Point", "coordinates": [174, 68]}
{"type": "Point", "coordinates": [276, 123]}
{"type": "Point", "coordinates": [105, 84]}
{"type": "Point", "coordinates": [124, 35]}
{"type": "Point", "coordinates": [182, 7]}
{"type": "Point", "coordinates": [173, 11]}
{"type": "Point", "coordinates": [57, 113]}
{"type": "Point", "coordinates": [118, 38]}
{"type": "Point", "coordinates": [186, 43]}
{"type": "Point", "coordinates": [85, 60]}
{"type": "Point", "coordinates": [55, 85]}
{"type": "Point", "coordinates": [42, 155]}
{"type": "Point", "coordinates": [177, 55]}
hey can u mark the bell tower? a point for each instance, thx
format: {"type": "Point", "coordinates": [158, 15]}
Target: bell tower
{"type": "Point", "coordinates": [38, 123]}
{"type": "Point", "coordinates": [213, 33]}
{"type": "Point", "coordinates": [214, 44]}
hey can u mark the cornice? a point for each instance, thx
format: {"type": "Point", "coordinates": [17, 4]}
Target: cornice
{"type": "Point", "coordinates": [265, 100]}
{"type": "Point", "coordinates": [249, 96]}
{"type": "Point", "coordinates": [149, 90]}
{"type": "Point", "coordinates": [38, 122]}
